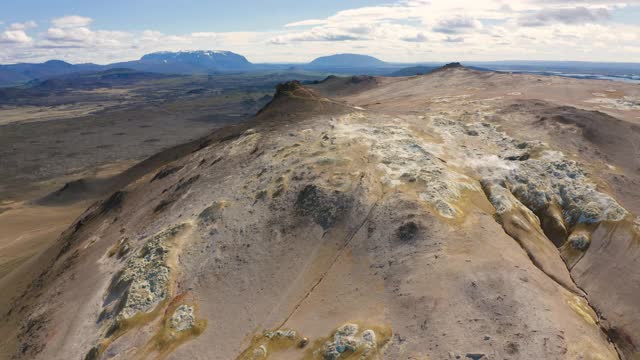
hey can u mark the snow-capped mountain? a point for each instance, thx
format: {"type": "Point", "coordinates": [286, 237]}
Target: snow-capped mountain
{"type": "Point", "coordinates": [205, 58]}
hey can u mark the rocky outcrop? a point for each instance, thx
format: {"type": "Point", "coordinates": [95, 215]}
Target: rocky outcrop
{"type": "Point", "coordinates": [293, 100]}
{"type": "Point", "coordinates": [144, 281]}
{"type": "Point", "coordinates": [349, 340]}
{"type": "Point", "coordinates": [139, 289]}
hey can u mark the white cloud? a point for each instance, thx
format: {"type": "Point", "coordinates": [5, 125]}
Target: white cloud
{"type": "Point", "coordinates": [576, 15]}
{"type": "Point", "coordinates": [81, 37]}
{"type": "Point", "coordinates": [457, 24]}
{"type": "Point", "coordinates": [16, 33]}
{"type": "Point", "coordinates": [419, 37]}
{"type": "Point", "coordinates": [15, 37]}
{"type": "Point", "coordinates": [454, 39]}
{"type": "Point", "coordinates": [463, 29]}
{"type": "Point", "coordinates": [76, 34]}
{"type": "Point", "coordinates": [211, 35]}
{"type": "Point", "coordinates": [71, 21]}
{"type": "Point", "coordinates": [310, 22]}
{"type": "Point", "coordinates": [23, 26]}
{"type": "Point", "coordinates": [328, 34]}
{"type": "Point", "coordinates": [402, 31]}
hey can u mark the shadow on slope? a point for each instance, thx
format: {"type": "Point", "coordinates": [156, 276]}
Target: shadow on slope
{"type": "Point", "coordinates": [291, 101]}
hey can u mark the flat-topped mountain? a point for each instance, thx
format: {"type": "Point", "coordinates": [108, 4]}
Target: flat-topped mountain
{"type": "Point", "coordinates": [197, 56]}
{"type": "Point", "coordinates": [343, 61]}
{"type": "Point", "coordinates": [189, 62]}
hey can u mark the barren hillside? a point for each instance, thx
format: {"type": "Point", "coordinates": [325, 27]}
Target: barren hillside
{"type": "Point", "coordinates": [455, 215]}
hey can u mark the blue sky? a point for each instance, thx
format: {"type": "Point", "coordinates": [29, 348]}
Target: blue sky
{"type": "Point", "coordinates": [183, 16]}
{"type": "Point", "coordinates": [298, 31]}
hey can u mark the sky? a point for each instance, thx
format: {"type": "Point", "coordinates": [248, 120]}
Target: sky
{"type": "Point", "coordinates": [291, 31]}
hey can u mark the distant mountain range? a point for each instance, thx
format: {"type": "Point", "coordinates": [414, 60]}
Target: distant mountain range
{"type": "Point", "coordinates": [190, 62]}
{"type": "Point", "coordinates": [221, 62]}
{"type": "Point", "coordinates": [16, 74]}
{"type": "Point", "coordinates": [183, 62]}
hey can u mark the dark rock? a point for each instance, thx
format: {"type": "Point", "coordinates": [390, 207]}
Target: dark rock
{"type": "Point", "coordinates": [112, 202]}
{"type": "Point", "coordinates": [93, 354]}
{"type": "Point", "coordinates": [324, 206]}
{"type": "Point", "coordinates": [288, 87]}
{"type": "Point", "coordinates": [523, 157]}
{"type": "Point", "coordinates": [475, 356]}
{"type": "Point", "coordinates": [407, 231]}
{"type": "Point", "coordinates": [212, 214]}
{"type": "Point", "coordinates": [184, 185]}
{"type": "Point", "coordinates": [166, 172]}
{"type": "Point", "coordinates": [453, 65]}
{"type": "Point", "coordinates": [512, 348]}
{"type": "Point", "coordinates": [164, 204]}
{"type": "Point", "coordinates": [261, 194]}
